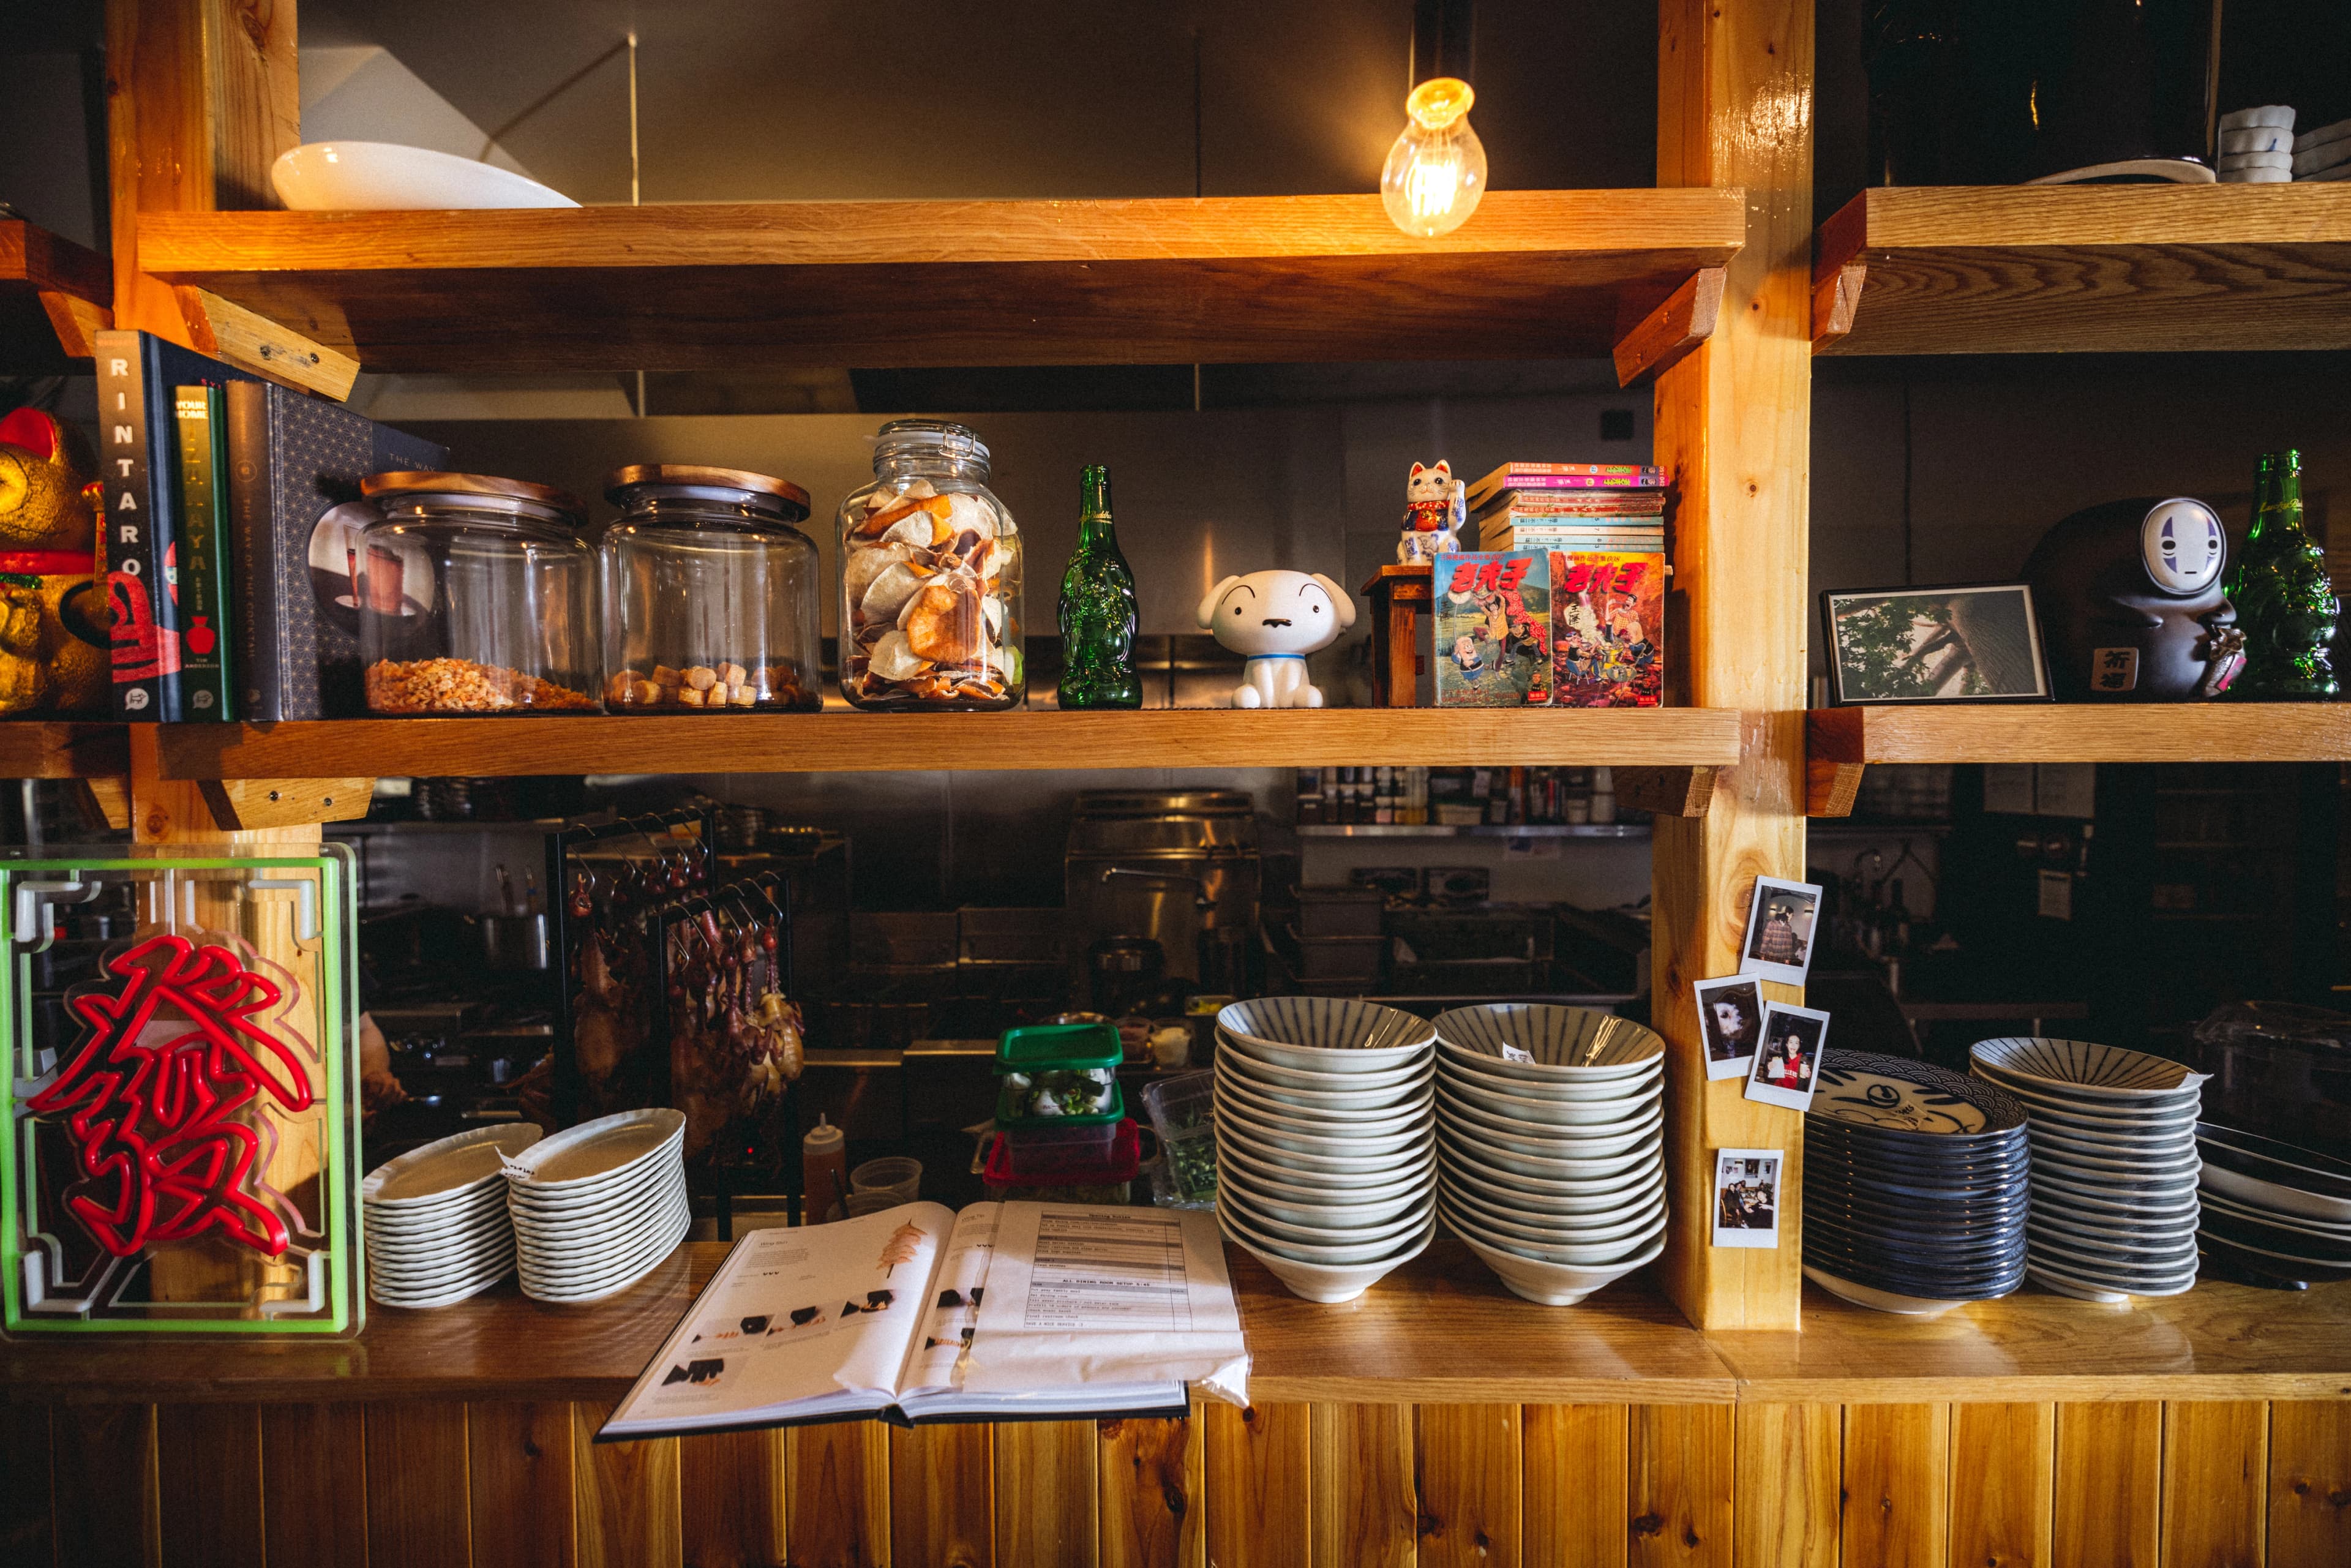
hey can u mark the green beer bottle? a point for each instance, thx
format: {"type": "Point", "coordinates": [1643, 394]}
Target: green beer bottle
{"type": "Point", "coordinates": [2284, 604]}
{"type": "Point", "coordinates": [1098, 609]}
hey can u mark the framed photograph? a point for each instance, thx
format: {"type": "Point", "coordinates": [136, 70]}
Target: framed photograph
{"type": "Point", "coordinates": [1786, 1063]}
{"type": "Point", "coordinates": [1780, 922]}
{"type": "Point", "coordinates": [1747, 1198]}
{"type": "Point", "coordinates": [1731, 1020]}
{"type": "Point", "coordinates": [1968, 643]}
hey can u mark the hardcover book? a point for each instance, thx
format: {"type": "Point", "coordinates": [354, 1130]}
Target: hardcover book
{"type": "Point", "coordinates": [296, 513]}
{"type": "Point", "coordinates": [139, 451]}
{"type": "Point", "coordinates": [1608, 628]}
{"type": "Point", "coordinates": [203, 553]}
{"type": "Point", "coordinates": [1490, 634]}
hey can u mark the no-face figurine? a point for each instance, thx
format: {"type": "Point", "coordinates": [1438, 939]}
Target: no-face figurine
{"type": "Point", "coordinates": [2131, 606]}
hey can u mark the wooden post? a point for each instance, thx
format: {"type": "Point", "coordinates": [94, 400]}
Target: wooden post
{"type": "Point", "coordinates": [1733, 422]}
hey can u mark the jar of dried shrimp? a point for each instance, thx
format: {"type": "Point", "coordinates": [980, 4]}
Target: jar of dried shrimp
{"type": "Point", "coordinates": [476, 595]}
{"type": "Point", "coordinates": [711, 599]}
{"type": "Point", "coordinates": [930, 577]}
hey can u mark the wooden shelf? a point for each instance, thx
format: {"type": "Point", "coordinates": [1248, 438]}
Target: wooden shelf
{"type": "Point", "coordinates": [1534, 275]}
{"type": "Point", "coordinates": [53, 294]}
{"type": "Point", "coordinates": [2085, 269]}
{"type": "Point", "coordinates": [1022, 739]}
{"type": "Point", "coordinates": [45, 748]}
{"type": "Point", "coordinates": [1839, 742]}
{"type": "Point", "coordinates": [1440, 1330]}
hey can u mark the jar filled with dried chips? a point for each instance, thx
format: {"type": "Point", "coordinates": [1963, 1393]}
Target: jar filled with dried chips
{"type": "Point", "coordinates": [711, 596]}
{"type": "Point", "coordinates": [476, 595]}
{"type": "Point", "coordinates": [930, 577]}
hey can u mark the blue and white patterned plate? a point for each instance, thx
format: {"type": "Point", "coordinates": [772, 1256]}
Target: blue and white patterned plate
{"type": "Point", "coordinates": [2083, 1069]}
{"type": "Point", "coordinates": [1895, 1094]}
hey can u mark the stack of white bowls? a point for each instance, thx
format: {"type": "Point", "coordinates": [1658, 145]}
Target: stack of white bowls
{"type": "Point", "coordinates": [1551, 1144]}
{"type": "Point", "coordinates": [598, 1205]}
{"type": "Point", "coordinates": [2113, 1132]}
{"type": "Point", "coordinates": [1326, 1163]}
{"type": "Point", "coordinates": [437, 1230]}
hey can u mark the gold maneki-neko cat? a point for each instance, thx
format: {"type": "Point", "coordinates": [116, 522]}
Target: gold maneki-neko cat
{"type": "Point", "coordinates": [54, 650]}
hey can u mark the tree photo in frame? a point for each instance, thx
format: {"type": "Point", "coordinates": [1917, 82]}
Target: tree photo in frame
{"type": "Point", "coordinates": [1966, 643]}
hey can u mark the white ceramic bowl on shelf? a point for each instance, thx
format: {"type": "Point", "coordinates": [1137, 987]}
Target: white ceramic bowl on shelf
{"type": "Point", "coordinates": [1324, 1281]}
{"type": "Point", "coordinates": [1561, 1045]}
{"type": "Point", "coordinates": [1557, 1284]}
{"type": "Point", "coordinates": [1325, 1034]}
{"type": "Point", "coordinates": [385, 177]}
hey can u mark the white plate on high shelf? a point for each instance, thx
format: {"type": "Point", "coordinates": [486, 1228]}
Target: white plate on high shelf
{"type": "Point", "coordinates": [385, 177]}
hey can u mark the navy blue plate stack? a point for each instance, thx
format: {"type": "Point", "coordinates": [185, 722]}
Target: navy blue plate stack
{"type": "Point", "coordinates": [1916, 1185]}
{"type": "Point", "coordinates": [2270, 1213]}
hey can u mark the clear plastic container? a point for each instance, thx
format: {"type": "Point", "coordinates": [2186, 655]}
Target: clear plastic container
{"type": "Point", "coordinates": [711, 599]}
{"type": "Point", "coordinates": [478, 595]}
{"type": "Point", "coordinates": [1015, 1095]}
{"type": "Point", "coordinates": [930, 577]}
{"type": "Point", "coordinates": [1183, 1113]}
{"type": "Point", "coordinates": [1111, 1152]}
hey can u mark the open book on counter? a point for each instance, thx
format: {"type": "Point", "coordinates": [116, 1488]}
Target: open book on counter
{"type": "Point", "coordinates": [1005, 1312]}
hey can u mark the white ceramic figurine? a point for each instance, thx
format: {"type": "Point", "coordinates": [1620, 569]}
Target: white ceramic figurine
{"type": "Point", "coordinates": [1277, 617]}
{"type": "Point", "coordinates": [1435, 508]}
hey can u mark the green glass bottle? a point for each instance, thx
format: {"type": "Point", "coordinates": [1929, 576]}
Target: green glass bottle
{"type": "Point", "coordinates": [2284, 604]}
{"type": "Point", "coordinates": [1098, 610]}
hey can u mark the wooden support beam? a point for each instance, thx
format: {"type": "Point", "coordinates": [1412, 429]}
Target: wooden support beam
{"type": "Point", "coordinates": [1667, 792]}
{"type": "Point", "coordinates": [1658, 340]}
{"type": "Point", "coordinates": [1835, 739]}
{"type": "Point", "coordinates": [253, 341]}
{"type": "Point", "coordinates": [1836, 297]}
{"type": "Point", "coordinates": [76, 321]}
{"type": "Point", "coordinates": [202, 97]}
{"type": "Point", "coordinates": [241, 804]}
{"type": "Point", "coordinates": [1733, 423]}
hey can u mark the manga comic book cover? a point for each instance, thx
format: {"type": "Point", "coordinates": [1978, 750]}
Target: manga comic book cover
{"type": "Point", "coordinates": [1490, 635]}
{"type": "Point", "coordinates": [1608, 629]}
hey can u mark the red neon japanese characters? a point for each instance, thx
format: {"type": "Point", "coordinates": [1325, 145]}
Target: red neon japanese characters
{"type": "Point", "coordinates": [155, 1106]}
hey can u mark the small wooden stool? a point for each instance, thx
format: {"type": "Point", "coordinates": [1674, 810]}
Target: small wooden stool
{"type": "Point", "coordinates": [1400, 595]}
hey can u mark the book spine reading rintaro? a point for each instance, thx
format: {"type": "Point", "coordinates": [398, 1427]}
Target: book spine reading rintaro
{"type": "Point", "coordinates": [137, 539]}
{"type": "Point", "coordinates": [203, 554]}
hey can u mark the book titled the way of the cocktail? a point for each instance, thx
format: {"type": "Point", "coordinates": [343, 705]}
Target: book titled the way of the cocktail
{"type": "Point", "coordinates": [1006, 1311]}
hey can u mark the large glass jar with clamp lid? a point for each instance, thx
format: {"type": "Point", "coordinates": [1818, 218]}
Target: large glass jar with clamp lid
{"type": "Point", "coordinates": [478, 595]}
{"type": "Point", "coordinates": [930, 577]}
{"type": "Point", "coordinates": [711, 596]}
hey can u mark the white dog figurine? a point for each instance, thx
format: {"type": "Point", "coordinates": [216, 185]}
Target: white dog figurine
{"type": "Point", "coordinates": [1277, 617]}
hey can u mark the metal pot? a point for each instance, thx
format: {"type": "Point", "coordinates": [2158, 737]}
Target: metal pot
{"type": "Point", "coordinates": [510, 942]}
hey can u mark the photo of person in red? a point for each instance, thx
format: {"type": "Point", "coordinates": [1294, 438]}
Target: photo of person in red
{"type": "Point", "coordinates": [1785, 1071]}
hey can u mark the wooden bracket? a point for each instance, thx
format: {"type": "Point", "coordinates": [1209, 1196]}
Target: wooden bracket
{"type": "Point", "coordinates": [253, 341]}
{"type": "Point", "coordinates": [1666, 791]}
{"type": "Point", "coordinates": [75, 319]}
{"type": "Point", "coordinates": [1836, 298]}
{"type": "Point", "coordinates": [105, 802]}
{"type": "Point", "coordinates": [1653, 344]}
{"type": "Point", "coordinates": [242, 804]}
{"type": "Point", "coordinates": [1836, 744]}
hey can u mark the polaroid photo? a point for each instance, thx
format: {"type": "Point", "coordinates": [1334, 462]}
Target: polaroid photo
{"type": "Point", "coordinates": [1747, 1198]}
{"type": "Point", "coordinates": [1965, 643]}
{"type": "Point", "coordinates": [1731, 1021]}
{"type": "Point", "coordinates": [1779, 945]}
{"type": "Point", "coordinates": [1787, 1064]}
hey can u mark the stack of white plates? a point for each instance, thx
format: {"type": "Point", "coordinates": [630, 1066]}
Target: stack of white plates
{"type": "Point", "coordinates": [598, 1205]}
{"type": "Point", "coordinates": [1551, 1144]}
{"type": "Point", "coordinates": [2271, 1213]}
{"type": "Point", "coordinates": [1326, 1164]}
{"type": "Point", "coordinates": [437, 1218]}
{"type": "Point", "coordinates": [2113, 1134]}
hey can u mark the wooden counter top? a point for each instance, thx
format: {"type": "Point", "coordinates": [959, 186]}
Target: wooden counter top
{"type": "Point", "coordinates": [1440, 1330]}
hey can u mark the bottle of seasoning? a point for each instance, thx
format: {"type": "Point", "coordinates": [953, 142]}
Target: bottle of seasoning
{"type": "Point", "coordinates": [824, 1173]}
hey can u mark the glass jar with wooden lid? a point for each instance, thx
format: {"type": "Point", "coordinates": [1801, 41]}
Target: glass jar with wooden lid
{"type": "Point", "coordinates": [712, 598]}
{"type": "Point", "coordinates": [478, 595]}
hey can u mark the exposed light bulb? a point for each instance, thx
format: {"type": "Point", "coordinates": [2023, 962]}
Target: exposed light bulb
{"type": "Point", "coordinates": [1437, 170]}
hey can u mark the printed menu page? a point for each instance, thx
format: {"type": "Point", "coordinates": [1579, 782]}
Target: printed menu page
{"type": "Point", "coordinates": [822, 1316]}
{"type": "Point", "coordinates": [953, 1311]}
{"type": "Point", "coordinates": [1083, 1295]}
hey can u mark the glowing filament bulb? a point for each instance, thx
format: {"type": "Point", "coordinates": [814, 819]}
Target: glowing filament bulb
{"type": "Point", "coordinates": [1437, 170]}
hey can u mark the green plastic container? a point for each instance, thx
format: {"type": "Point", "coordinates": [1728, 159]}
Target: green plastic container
{"type": "Point", "coordinates": [1010, 1123]}
{"type": "Point", "coordinates": [1059, 1047]}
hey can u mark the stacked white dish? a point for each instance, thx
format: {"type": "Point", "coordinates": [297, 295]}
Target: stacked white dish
{"type": "Point", "coordinates": [1551, 1144]}
{"type": "Point", "coordinates": [1326, 1163]}
{"type": "Point", "coordinates": [437, 1230]}
{"type": "Point", "coordinates": [598, 1205]}
{"type": "Point", "coordinates": [2113, 1134]}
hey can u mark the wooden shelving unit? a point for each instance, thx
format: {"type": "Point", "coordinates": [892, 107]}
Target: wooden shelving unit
{"type": "Point", "coordinates": [2085, 269]}
{"type": "Point", "coordinates": [53, 294]}
{"type": "Point", "coordinates": [1540, 273]}
{"type": "Point", "coordinates": [1840, 742]}
{"type": "Point", "coordinates": [45, 748]}
{"type": "Point", "coordinates": [1681, 738]}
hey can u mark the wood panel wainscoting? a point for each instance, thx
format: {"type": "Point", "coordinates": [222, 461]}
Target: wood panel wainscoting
{"type": "Point", "coordinates": [1434, 1421]}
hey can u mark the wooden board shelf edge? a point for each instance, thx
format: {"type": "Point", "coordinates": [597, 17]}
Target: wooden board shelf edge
{"type": "Point", "coordinates": [1682, 739]}
{"type": "Point", "coordinates": [1848, 739]}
